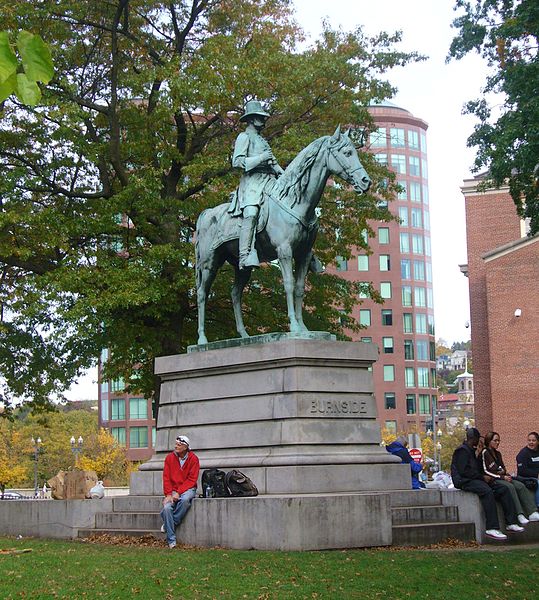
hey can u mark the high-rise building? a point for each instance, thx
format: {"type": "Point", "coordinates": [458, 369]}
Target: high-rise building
{"type": "Point", "coordinates": [400, 268]}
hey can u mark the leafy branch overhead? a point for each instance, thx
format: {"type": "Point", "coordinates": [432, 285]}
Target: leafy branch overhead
{"type": "Point", "coordinates": [103, 182]}
{"type": "Point", "coordinates": [20, 74]}
{"type": "Point", "coordinates": [506, 136]}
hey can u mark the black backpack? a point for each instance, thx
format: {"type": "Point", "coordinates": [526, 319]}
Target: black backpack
{"type": "Point", "coordinates": [238, 484]}
{"type": "Point", "coordinates": [215, 480]}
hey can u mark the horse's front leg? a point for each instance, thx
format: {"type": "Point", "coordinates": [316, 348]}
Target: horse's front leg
{"type": "Point", "coordinates": [285, 260]}
{"type": "Point", "coordinates": [241, 278]}
{"type": "Point", "coordinates": [302, 266]}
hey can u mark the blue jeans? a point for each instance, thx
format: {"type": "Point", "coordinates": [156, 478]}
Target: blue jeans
{"type": "Point", "coordinates": [173, 513]}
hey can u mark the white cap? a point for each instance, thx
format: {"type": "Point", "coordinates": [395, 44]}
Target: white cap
{"type": "Point", "coordinates": [183, 439]}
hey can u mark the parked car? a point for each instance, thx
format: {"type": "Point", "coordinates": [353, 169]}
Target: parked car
{"type": "Point", "coordinates": [12, 495]}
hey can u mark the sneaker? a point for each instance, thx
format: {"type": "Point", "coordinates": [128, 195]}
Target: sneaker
{"type": "Point", "coordinates": [516, 528]}
{"type": "Point", "coordinates": [495, 534]}
{"type": "Point", "coordinates": [172, 545]}
{"type": "Point", "coordinates": [522, 520]}
{"type": "Point", "coordinates": [163, 528]}
{"type": "Point", "coordinates": [534, 516]}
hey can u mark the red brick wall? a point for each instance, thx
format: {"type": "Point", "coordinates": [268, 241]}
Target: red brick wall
{"type": "Point", "coordinates": [512, 281]}
{"type": "Point", "coordinates": [491, 221]}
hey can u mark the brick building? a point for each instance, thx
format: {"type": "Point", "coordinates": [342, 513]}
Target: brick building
{"type": "Point", "coordinates": [503, 273]}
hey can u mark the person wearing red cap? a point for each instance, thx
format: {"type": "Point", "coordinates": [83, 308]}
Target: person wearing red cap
{"type": "Point", "coordinates": [180, 476]}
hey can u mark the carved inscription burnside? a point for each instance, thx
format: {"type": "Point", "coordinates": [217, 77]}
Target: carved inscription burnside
{"type": "Point", "coordinates": [338, 407]}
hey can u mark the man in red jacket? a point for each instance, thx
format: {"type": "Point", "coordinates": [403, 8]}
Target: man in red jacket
{"type": "Point", "coordinates": [180, 475]}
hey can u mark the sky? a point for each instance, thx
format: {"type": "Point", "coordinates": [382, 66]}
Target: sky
{"type": "Point", "coordinates": [434, 92]}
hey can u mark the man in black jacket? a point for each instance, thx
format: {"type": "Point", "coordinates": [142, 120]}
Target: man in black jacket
{"type": "Point", "coordinates": [467, 475]}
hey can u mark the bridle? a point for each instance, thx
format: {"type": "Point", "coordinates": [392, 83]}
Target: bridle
{"type": "Point", "coordinates": [344, 173]}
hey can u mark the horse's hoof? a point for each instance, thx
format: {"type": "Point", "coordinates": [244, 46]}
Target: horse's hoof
{"type": "Point", "coordinates": [202, 340]}
{"type": "Point", "coordinates": [244, 334]}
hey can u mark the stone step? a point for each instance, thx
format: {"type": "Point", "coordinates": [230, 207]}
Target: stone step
{"type": "Point", "coordinates": [84, 533]}
{"type": "Point", "coordinates": [421, 497]}
{"type": "Point", "coordinates": [127, 521]}
{"type": "Point", "coordinates": [432, 533]}
{"type": "Point", "coordinates": [138, 504]}
{"type": "Point", "coordinates": [408, 515]}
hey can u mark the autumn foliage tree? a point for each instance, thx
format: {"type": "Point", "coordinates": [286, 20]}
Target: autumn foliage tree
{"type": "Point", "coordinates": [102, 182]}
{"type": "Point", "coordinates": [105, 456]}
{"type": "Point", "coordinates": [14, 464]}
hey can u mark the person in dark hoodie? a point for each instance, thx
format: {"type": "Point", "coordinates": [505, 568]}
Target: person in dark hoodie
{"type": "Point", "coordinates": [468, 476]}
{"type": "Point", "coordinates": [528, 461]}
{"type": "Point", "coordinates": [398, 448]}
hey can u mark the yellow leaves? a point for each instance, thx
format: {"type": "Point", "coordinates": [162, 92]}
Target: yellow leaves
{"type": "Point", "coordinates": [104, 455]}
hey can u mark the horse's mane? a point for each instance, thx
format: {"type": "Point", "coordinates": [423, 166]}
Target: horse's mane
{"type": "Point", "coordinates": [291, 185]}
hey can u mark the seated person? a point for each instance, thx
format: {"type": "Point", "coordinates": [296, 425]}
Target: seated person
{"type": "Point", "coordinates": [180, 476]}
{"type": "Point", "coordinates": [528, 461]}
{"type": "Point", "coordinates": [493, 466]}
{"type": "Point", "coordinates": [467, 475]}
{"type": "Point", "coordinates": [398, 448]}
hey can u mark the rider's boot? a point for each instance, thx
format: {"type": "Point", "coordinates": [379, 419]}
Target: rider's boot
{"type": "Point", "coordinates": [248, 255]}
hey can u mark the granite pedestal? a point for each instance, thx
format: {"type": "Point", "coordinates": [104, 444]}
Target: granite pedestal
{"type": "Point", "coordinates": [296, 415]}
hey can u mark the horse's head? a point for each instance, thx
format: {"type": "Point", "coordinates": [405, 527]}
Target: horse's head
{"type": "Point", "coordinates": [344, 162]}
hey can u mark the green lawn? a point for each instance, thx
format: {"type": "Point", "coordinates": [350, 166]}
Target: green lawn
{"type": "Point", "coordinates": [60, 569]}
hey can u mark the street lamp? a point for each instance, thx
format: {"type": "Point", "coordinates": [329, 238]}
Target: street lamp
{"type": "Point", "coordinates": [439, 447]}
{"type": "Point", "coordinates": [37, 449]}
{"type": "Point", "coordinates": [76, 447]}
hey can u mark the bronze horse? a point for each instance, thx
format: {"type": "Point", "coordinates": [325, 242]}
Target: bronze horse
{"type": "Point", "coordinates": [289, 231]}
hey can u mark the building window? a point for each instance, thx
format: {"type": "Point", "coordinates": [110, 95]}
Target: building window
{"type": "Point", "coordinates": [396, 136]}
{"type": "Point", "coordinates": [391, 427]}
{"type": "Point", "coordinates": [381, 158]}
{"type": "Point", "coordinates": [383, 235]}
{"type": "Point", "coordinates": [117, 385]}
{"type": "Point", "coordinates": [413, 140]}
{"type": "Point", "coordinates": [404, 243]}
{"type": "Point", "coordinates": [366, 340]}
{"type": "Point", "coordinates": [414, 166]}
{"type": "Point", "coordinates": [118, 409]}
{"type": "Point", "coordinates": [423, 141]}
{"type": "Point", "coordinates": [414, 190]}
{"type": "Point", "coordinates": [408, 350]}
{"type": "Point", "coordinates": [138, 408]}
{"type": "Point", "coordinates": [424, 404]}
{"type": "Point", "coordinates": [104, 387]}
{"type": "Point", "coordinates": [390, 401]}
{"type": "Point", "coordinates": [398, 163]}
{"type": "Point", "coordinates": [385, 262]}
{"type": "Point", "coordinates": [417, 218]}
{"type": "Point", "coordinates": [432, 351]}
{"type": "Point", "coordinates": [422, 377]}
{"type": "Point", "coordinates": [378, 138]}
{"type": "Point", "coordinates": [430, 298]}
{"type": "Point", "coordinates": [419, 270]}
{"type": "Point", "coordinates": [419, 297]}
{"type": "Point", "coordinates": [363, 290]}
{"type": "Point", "coordinates": [407, 323]}
{"type": "Point", "coordinates": [118, 433]}
{"type": "Point", "coordinates": [409, 377]}
{"type": "Point", "coordinates": [407, 295]}
{"type": "Point", "coordinates": [431, 324]}
{"type": "Point", "coordinates": [365, 317]}
{"type": "Point", "coordinates": [104, 409]}
{"type": "Point", "coordinates": [427, 245]}
{"type": "Point", "coordinates": [387, 316]}
{"type": "Point", "coordinates": [402, 194]}
{"type": "Point", "coordinates": [428, 270]}
{"type": "Point", "coordinates": [410, 404]}
{"type": "Point", "coordinates": [420, 323]}
{"type": "Point", "coordinates": [389, 373]}
{"type": "Point", "coordinates": [154, 436]}
{"type": "Point", "coordinates": [385, 290]}
{"type": "Point", "coordinates": [387, 343]}
{"type": "Point", "coordinates": [138, 437]}
{"type": "Point", "coordinates": [426, 220]}
{"type": "Point", "coordinates": [425, 194]}
{"type": "Point", "coordinates": [403, 215]}
{"type": "Point", "coordinates": [424, 168]}
{"type": "Point", "coordinates": [417, 243]}
{"type": "Point", "coordinates": [406, 272]}
{"type": "Point", "coordinates": [362, 263]}
{"type": "Point", "coordinates": [341, 263]}
{"type": "Point", "coordinates": [422, 350]}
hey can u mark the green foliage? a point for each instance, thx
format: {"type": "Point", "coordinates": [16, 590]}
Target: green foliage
{"type": "Point", "coordinates": [102, 185]}
{"type": "Point", "coordinates": [506, 34]}
{"type": "Point", "coordinates": [20, 77]}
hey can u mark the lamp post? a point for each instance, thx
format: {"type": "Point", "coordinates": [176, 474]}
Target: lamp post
{"type": "Point", "coordinates": [76, 447]}
{"type": "Point", "coordinates": [439, 448]}
{"type": "Point", "coordinates": [37, 449]}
